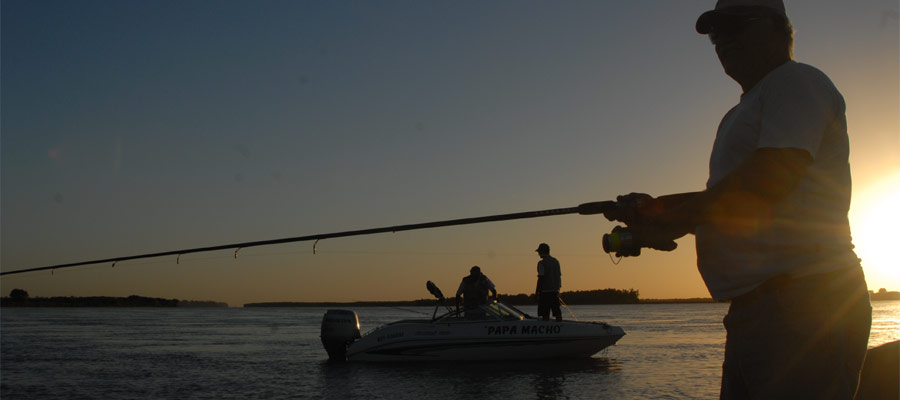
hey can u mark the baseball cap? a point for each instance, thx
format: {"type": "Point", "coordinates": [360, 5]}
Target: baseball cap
{"type": "Point", "coordinates": [543, 247]}
{"type": "Point", "coordinates": [728, 9]}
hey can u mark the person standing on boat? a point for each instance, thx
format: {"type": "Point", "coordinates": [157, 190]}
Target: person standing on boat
{"type": "Point", "coordinates": [548, 284]}
{"type": "Point", "coordinates": [772, 233]}
{"type": "Point", "coordinates": [474, 289]}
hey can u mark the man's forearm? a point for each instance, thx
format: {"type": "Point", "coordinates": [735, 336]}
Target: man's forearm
{"type": "Point", "coordinates": [671, 212]}
{"type": "Point", "coordinates": [765, 178]}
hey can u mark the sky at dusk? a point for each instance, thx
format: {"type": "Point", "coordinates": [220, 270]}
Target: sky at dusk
{"type": "Point", "coordinates": [132, 127]}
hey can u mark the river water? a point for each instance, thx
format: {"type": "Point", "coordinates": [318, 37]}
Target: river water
{"type": "Point", "coordinates": [671, 351]}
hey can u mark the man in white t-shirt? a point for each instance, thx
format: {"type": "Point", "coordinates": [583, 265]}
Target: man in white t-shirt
{"type": "Point", "coordinates": [549, 283]}
{"type": "Point", "coordinates": [771, 227]}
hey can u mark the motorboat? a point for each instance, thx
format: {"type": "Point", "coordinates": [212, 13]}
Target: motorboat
{"type": "Point", "coordinates": [492, 331]}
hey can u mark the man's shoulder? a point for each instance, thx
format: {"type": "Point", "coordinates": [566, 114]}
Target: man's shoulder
{"type": "Point", "coordinates": [794, 83]}
{"type": "Point", "coordinates": [793, 66]}
{"type": "Point", "coordinates": [796, 72]}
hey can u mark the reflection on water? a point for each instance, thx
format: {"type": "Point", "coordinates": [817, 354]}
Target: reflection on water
{"type": "Point", "coordinates": [495, 379]}
{"type": "Point", "coordinates": [670, 351]}
{"type": "Point", "coordinates": [885, 322]}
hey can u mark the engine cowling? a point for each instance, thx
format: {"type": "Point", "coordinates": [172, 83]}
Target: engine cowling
{"type": "Point", "coordinates": [339, 329]}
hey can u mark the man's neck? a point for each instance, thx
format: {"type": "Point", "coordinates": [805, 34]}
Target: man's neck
{"type": "Point", "coordinates": [752, 79]}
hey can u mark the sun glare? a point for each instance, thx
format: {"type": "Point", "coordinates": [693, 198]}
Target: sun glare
{"type": "Point", "coordinates": [875, 222]}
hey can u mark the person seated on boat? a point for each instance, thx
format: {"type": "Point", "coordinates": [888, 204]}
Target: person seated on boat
{"type": "Point", "coordinates": [474, 290]}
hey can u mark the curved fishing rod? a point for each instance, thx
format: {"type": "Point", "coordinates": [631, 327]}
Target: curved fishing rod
{"type": "Point", "coordinates": [597, 207]}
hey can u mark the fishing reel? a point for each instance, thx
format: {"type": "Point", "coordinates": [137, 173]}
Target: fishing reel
{"type": "Point", "coordinates": [621, 241]}
{"type": "Point", "coordinates": [638, 212]}
{"type": "Point", "coordinates": [630, 209]}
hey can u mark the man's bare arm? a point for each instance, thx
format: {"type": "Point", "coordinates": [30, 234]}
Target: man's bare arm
{"type": "Point", "coordinates": [765, 178]}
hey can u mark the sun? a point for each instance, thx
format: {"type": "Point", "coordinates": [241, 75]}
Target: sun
{"type": "Point", "coordinates": [875, 223]}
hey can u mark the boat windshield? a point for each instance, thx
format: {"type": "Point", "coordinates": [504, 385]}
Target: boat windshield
{"type": "Point", "coordinates": [490, 311]}
{"type": "Point", "coordinates": [504, 311]}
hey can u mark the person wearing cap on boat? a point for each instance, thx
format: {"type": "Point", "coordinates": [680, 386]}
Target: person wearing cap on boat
{"type": "Point", "coordinates": [474, 289]}
{"type": "Point", "coordinates": [548, 284]}
{"type": "Point", "coordinates": [772, 233]}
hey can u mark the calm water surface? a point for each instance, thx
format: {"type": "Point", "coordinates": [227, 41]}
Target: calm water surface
{"type": "Point", "coordinates": [672, 351]}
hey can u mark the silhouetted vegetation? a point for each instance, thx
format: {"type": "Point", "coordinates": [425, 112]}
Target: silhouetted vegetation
{"type": "Point", "coordinates": [883, 294]}
{"type": "Point", "coordinates": [401, 303]}
{"type": "Point", "coordinates": [602, 296]}
{"type": "Point", "coordinates": [18, 295]}
{"type": "Point", "coordinates": [20, 298]}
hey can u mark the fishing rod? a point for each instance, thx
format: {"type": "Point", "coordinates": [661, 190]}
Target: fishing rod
{"type": "Point", "coordinates": [597, 207]}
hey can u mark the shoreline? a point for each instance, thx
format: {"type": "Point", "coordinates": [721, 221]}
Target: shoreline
{"type": "Point", "coordinates": [515, 300]}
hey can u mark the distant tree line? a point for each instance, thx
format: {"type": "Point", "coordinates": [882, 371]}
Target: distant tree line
{"type": "Point", "coordinates": [399, 303]}
{"type": "Point", "coordinates": [601, 296]}
{"type": "Point", "coordinates": [882, 294]}
{"type": "Point", "coordinates": [20, 298]}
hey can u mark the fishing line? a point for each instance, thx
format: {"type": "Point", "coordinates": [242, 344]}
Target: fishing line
{"type": "Point", "coordinates": [614, 261]}
{"type": "Point", "coordinates": [566, 306]}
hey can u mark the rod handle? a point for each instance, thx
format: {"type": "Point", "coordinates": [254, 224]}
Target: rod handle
{"type": "Point", "coordinates": [596, 207]}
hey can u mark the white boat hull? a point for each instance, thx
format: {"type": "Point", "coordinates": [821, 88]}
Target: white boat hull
{"type": "Point", "coordinates": [418, 340]}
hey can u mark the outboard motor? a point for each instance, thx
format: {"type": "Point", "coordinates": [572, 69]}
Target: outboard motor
{"type": "Point", "coordinates": [339, 329]}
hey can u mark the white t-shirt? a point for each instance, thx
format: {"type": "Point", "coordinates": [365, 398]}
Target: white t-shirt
{"type": "Point", "coordinates": [551, 273]}
{"type": "Point", "coordinates": [794, 106]}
